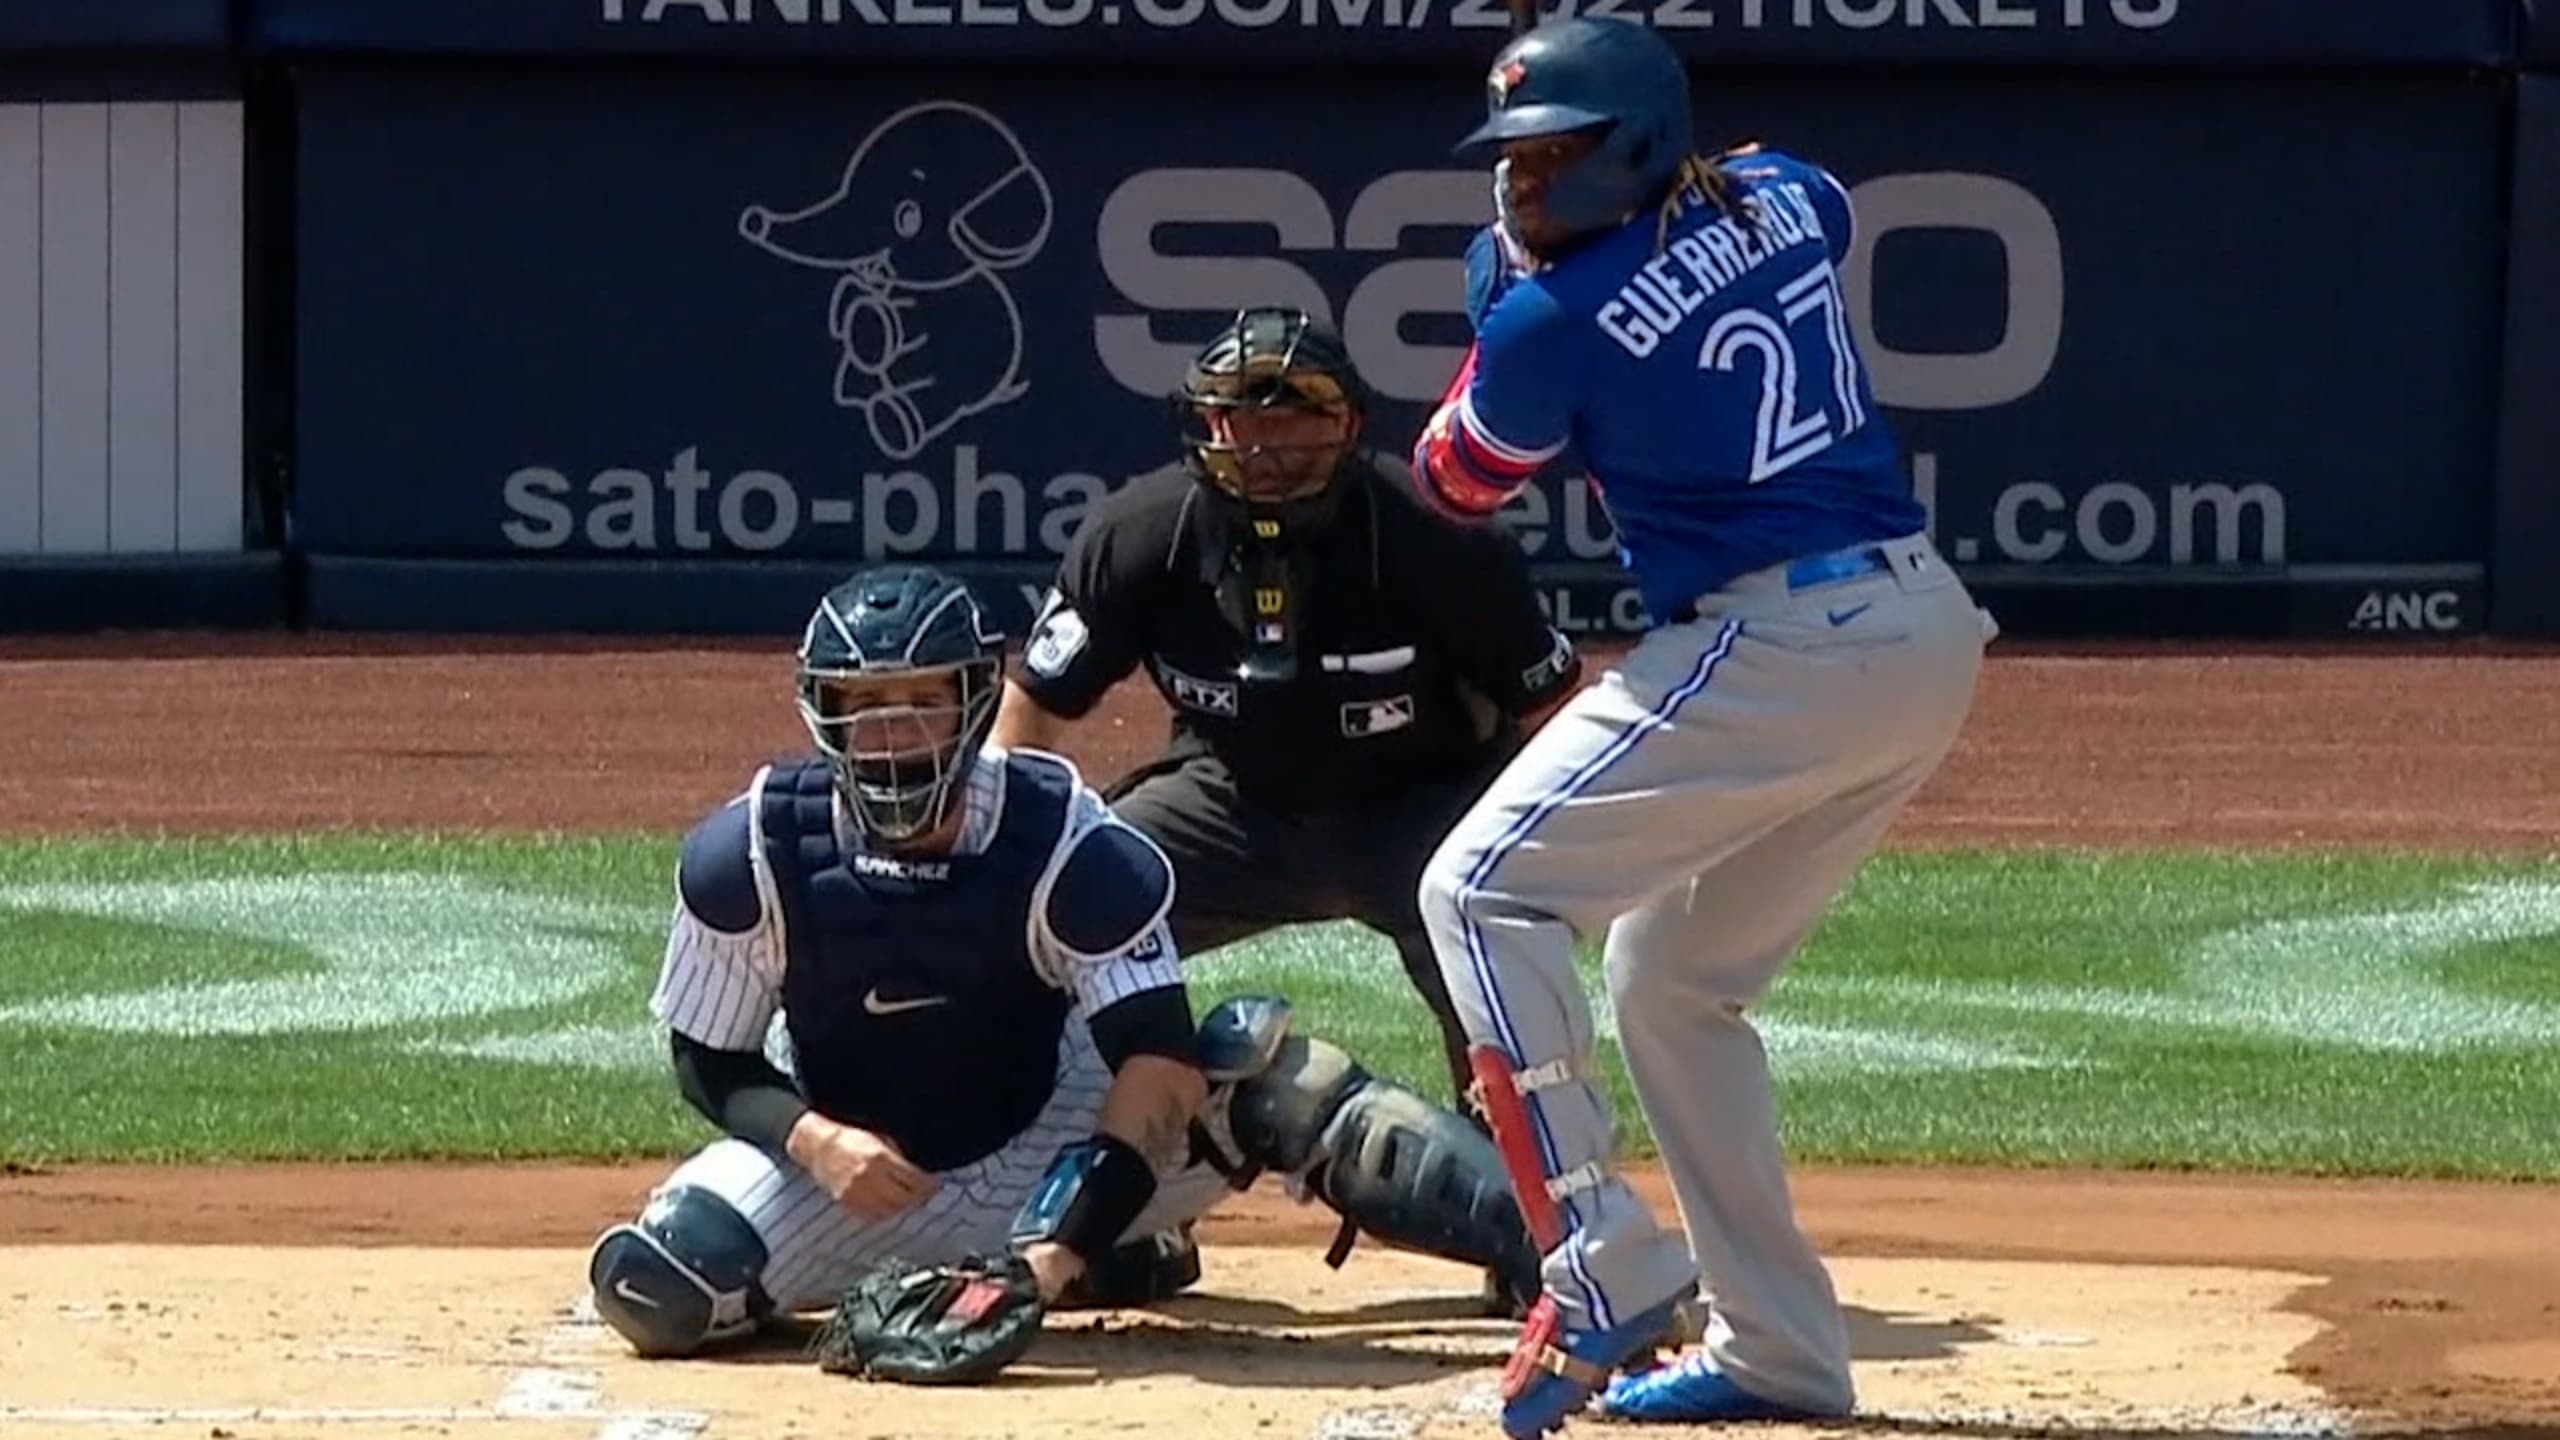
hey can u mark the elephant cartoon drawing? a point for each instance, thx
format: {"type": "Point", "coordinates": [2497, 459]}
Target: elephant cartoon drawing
{"type": "Point", "coordinates": [938, 201]}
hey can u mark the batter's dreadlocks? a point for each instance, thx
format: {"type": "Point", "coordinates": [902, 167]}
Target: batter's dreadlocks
{"type": "Point", "coordinates": [1704, 174]}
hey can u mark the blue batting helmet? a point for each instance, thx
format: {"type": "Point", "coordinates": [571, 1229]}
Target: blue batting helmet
{"type": "Point", "coordinates": [1567, 76]}
{"type": "Point", "coordinates": [900, 752]}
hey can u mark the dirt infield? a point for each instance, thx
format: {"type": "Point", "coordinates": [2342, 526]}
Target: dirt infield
{"type": "Point", "coordinates": [2450, 747]}
{"type": "Point", "coordinates": [435, 1300]}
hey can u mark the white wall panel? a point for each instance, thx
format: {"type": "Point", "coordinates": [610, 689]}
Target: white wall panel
{"type": "Point", "coordinates": [142, 328]}
{"type": "Point", "coordinates": [75, 328]}
{"type": "Point", "coordinates": [212, 240]}
{"type": "Point", "coordinates": [121, 328]}
{"type": "Point", "coordinates": [21, 329]}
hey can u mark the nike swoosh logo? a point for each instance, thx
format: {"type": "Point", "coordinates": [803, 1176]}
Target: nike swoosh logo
{"type": "Point", "coordinates": [623, 1289]}
{"type": "Point", "coordinates": [1843, 617]}
{"type": "Point", "coordinates": [872, 1002]}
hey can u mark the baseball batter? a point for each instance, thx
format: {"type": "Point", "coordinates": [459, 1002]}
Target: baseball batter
{"type": "Point", "coordinates": [926, 988]}
{"type": "Point", "coordinates": [1678, 321]}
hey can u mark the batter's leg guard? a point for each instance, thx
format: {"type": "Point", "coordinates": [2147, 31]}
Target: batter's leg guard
{"type": "Point", "coordinates": [684, 1277]}
{"type": "Point", "coordinates": [1497, 1097]}
{"type": "Point", "coordinates": [1554, 1369]}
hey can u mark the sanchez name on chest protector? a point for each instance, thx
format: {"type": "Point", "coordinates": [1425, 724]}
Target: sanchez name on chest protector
{"type": "Point", "coordinates": [914, 1006]}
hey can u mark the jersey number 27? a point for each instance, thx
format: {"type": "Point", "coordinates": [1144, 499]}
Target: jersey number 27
{"type": "Point", "coordinates": [1786, 433]}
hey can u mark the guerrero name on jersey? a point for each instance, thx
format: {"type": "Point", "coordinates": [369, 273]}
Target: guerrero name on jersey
{"type": "Point", "coordinates": [1701, 368]}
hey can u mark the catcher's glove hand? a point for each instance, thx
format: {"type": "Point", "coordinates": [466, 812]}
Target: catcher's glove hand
{"type": "Point", "coordinates": [955, 1324]}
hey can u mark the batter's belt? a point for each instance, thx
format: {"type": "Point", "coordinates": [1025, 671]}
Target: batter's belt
{"type": "Point", "coordinates": [1807, 571]}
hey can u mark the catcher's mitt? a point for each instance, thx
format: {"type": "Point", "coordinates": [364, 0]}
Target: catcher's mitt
{"type": "Point", "coordinates": [955, 1324]}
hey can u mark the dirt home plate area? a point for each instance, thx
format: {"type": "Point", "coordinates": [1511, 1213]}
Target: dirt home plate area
{"type": "Point", "coordinates": [354, 1302]}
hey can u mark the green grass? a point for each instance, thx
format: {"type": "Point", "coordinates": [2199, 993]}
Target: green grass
{"type": "Point", "coordinates": [445, 996]}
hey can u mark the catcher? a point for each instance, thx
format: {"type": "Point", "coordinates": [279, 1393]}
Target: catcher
{"type": "Point", "coordinates": [926, 989]}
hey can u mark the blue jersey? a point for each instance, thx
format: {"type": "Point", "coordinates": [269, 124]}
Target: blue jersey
{"type": "Point", "coordinates": [1711, 386]}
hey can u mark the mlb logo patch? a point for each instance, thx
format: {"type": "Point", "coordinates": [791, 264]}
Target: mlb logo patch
{"type": "Point", "coordinates": [1363, 718]}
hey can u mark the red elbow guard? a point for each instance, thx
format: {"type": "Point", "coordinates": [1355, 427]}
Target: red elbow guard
{"type": "Point", "coordinates": [1442, 473]}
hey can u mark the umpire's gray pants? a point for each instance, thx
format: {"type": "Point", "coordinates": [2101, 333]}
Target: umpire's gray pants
{"type": "Point", "coordinates": [1701, 804]}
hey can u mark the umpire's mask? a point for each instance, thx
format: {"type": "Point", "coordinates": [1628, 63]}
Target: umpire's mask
{"type": "Point", "coordinates": [1270, 414]}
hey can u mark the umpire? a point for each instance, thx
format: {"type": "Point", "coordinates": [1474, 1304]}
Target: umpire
{"type": "Point", "coordinates": [1346, 670]}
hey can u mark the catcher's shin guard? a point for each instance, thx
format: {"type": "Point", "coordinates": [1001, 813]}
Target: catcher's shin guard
{"type": "Point", "coordinates": [1390, 1163]}
{"type": "Point", "coordinates": [686, 1276]}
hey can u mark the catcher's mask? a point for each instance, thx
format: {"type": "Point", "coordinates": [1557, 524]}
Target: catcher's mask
{"type": "Point", "coordinates": [898, 682]}
{"type": "Point", "coordinates": [1270, 413]}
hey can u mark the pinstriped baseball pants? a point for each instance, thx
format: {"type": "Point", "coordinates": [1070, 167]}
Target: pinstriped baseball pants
{"type": "Point", "coordinates": [815, 1249]}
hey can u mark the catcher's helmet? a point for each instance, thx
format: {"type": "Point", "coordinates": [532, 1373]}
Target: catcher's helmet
{"type": "Point", "coordinates": [1272, 359]}
{"type": "Point", "coordinates": [899, 758]}
{"type": "Point", "coordinates": [1611, 76]}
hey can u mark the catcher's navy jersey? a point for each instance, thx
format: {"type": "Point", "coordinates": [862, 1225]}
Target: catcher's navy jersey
{"type": "Point", "coordinates": [1711, 386]}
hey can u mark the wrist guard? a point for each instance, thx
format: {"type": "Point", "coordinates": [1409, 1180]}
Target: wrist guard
{"type": "Point", "coordinates": [1091, 1194]}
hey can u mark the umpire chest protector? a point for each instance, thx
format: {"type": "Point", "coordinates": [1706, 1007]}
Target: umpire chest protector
{"type": "Point", "coordinates": [1369, 703]}
{"type": "Point", "coordinates": [914, 1006]}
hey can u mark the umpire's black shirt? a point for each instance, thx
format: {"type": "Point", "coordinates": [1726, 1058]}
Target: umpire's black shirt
{"type": "Point", "coordinates": [1402, 614]}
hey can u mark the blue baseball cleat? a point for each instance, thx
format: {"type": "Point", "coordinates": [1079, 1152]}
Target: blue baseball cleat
{"type": "Point", "coordinates": [1690, 1390]}
{"type": "Point", "coordinates": [1553, 1370]}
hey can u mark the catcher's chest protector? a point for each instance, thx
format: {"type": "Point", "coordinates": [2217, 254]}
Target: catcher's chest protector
{"type": "Point", "coordinates": [912, 1001]}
